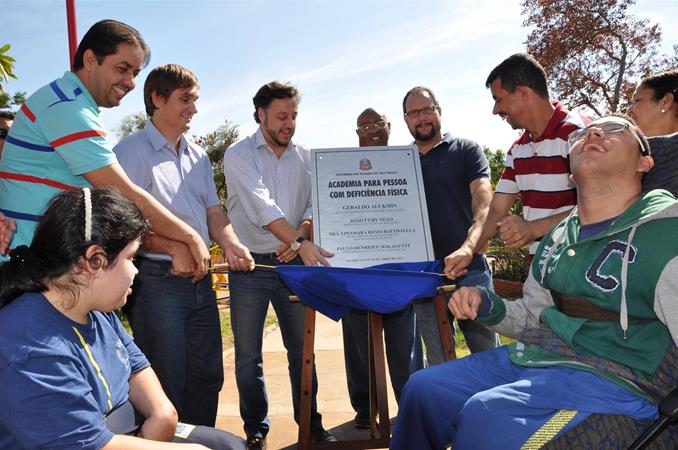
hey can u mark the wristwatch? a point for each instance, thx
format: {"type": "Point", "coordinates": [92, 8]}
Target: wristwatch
{"type": "Point", "coordinates": [296, 244]}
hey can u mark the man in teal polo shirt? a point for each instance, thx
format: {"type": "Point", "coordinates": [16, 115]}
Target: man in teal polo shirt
{"type": "Point", "coordinates": [58, 141]}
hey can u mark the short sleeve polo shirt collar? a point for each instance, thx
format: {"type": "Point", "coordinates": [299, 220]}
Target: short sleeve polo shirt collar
{"type": "Point", "coordinates": [446, 140]}
{"type": "Point", "coordinates": [551, 130]}
{"type": "Point", "coordinates": [80, 89]}
{"type": "Point", "coordinates": [159, 142]}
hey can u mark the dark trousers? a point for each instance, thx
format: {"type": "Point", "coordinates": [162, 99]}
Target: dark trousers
{"type": "Point", "coordinates": [251, 293]}
{"type": "Point", "coordinates": [403, 352]}
{"type": "Point", "coordinates": [176, 324]}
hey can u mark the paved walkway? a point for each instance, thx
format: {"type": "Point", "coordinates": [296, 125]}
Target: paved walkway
{"type": "Point", "coordinates": [333, 402]}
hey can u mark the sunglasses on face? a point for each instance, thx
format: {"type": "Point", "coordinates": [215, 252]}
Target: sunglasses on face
{"type": "Point", "coordinates": [606, 128]}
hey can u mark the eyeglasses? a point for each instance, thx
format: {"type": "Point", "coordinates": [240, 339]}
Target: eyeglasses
{"type": "Point", "coordinates": [414, 113]}
{"type": "Point", "coordinates": [371, 126]}
{"type": "Point", "coordinates": [3, 133]}
{"type": "Point", "coordinates": [608, 127]}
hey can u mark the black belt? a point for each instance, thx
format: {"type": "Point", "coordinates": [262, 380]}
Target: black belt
{"type": "Point", "coordinates": [271, 255]}
{"type": "Point", "coordinates": [144, 259]}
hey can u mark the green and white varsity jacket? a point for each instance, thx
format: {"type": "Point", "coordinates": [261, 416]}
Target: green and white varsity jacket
{"type": "Point", "coordinates": [630, 269]}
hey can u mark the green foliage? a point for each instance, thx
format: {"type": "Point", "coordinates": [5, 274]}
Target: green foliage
{"type": "Point", "coordinates": [215, 144]}
{"type": "Point", "coordinates": [496, 160]}
{"type": "Point", "coordinates": [8, 100]}
{"type": "Point", "coordinates": [131, 124]}
{"type": "Point", "coordinates": [6, 66]}
{"type": "Point", "coordinates": [16, 99]}
{"type": "Point", "coordinates": [508, 263]}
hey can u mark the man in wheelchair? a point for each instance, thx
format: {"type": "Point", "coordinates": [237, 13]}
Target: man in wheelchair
{"type": "Point", "coordinates": [597, 326]}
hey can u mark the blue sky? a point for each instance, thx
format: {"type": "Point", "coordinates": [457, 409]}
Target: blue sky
{"type": "Point", "coordinates": [344, 55]}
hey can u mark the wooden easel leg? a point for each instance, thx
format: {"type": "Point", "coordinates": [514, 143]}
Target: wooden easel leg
{"type": "Point", "coordinates": [444, 327]}
{"type": "Point", "coordinates": [304, 438]}
{"type": "Point", "coordinates": [378, 376]}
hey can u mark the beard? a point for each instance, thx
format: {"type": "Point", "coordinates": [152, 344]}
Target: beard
{"type": "Point", "coordinates": [425, 137]}
{"type": "Point", "coordinates": [274, 137]}
{"type": "Point", "coordinates": [273, 134]}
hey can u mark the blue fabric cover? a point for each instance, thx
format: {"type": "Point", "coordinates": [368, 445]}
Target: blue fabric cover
{"type": "Point", "coordinates": [384, 288]}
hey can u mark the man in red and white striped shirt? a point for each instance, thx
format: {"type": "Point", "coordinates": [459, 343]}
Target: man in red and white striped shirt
{"type": "Point", "coordinates": [537, 165]}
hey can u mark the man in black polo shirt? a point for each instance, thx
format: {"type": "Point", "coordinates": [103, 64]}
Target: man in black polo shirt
{"type": "Point", "coordinates": [458, 195]}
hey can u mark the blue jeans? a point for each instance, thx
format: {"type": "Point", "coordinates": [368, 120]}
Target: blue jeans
{"type": "Point", "coordinates": [176, 324]}
{"type": "Point", "coordinates": [251, 293]}
{"type": "Point", "coordinates": [484, 401]}
{"type": "Point", "coordinates": [403, 352]}
{"type": "Point", "coordinates": [478, 337]}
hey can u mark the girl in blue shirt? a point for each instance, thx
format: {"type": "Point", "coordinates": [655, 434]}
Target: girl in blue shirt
{"type": "Point", "coordinates": [70, 375]}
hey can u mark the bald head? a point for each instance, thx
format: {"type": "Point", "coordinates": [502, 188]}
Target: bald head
{"type": "Point", "coordinates": [373, 128]}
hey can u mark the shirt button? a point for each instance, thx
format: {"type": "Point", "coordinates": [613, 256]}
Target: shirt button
{"type": "Point", "coordinates": [519, 354]}
{"type": "Point", "coordinates": [570, 252]}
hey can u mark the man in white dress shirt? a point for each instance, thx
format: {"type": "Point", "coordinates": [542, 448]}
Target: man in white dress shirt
{"type": "Point", "coordinates": [269, 203]}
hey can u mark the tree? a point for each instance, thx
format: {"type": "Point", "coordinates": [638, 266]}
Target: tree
{"type": "Point", "coordinates": [6, 72]}
{"type": "Point", "coordinates": [6, 66]}
{"type": "Point", "coordinates": [15, 99]}
{"type": "Point", "coordinates": [215, 144]}
{"type": "Point", "coordinates": [593, 50]}
{"type": "Point", "coordinates": [496, 160]}
{"type": "Point", "coordinates": [131, 123]}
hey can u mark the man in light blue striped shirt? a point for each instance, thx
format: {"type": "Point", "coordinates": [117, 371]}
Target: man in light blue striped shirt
{"type": "Point", "coordinates": [269, 204]}
{"type": "Point", "coordinates": [172, 309]}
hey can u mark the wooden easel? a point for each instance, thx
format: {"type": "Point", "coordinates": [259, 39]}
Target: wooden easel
{"type": "Point", "coordinates": [380, 432]}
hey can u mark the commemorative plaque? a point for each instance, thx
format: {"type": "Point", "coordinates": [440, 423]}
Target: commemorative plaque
{"type": "Point", "coordinates": [369, 205]}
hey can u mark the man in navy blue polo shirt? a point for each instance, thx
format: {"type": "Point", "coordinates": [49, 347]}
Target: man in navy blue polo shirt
{"type": "Point", "coordinates": [458, 194]}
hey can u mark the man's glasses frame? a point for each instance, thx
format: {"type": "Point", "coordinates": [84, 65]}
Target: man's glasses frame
{"type": "Point", "coordinates": [427, 111]}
